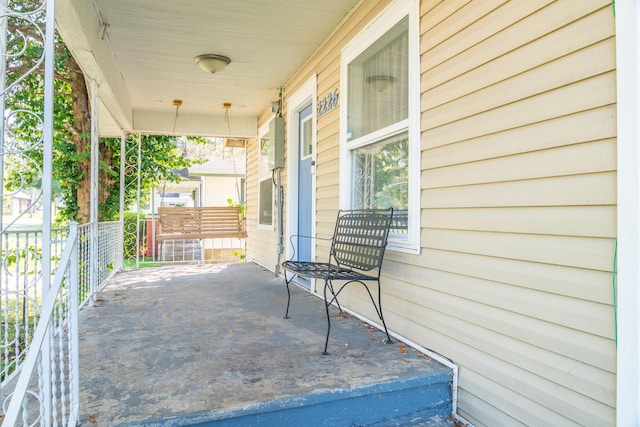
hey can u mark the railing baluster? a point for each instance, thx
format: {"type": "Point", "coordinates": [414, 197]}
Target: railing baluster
{"type": "Point", "coordinates": [57, 374]}
{"type": "Point", "coordinates": [73, 327]}
{"type": "Point", "coordinates": [52, 374]}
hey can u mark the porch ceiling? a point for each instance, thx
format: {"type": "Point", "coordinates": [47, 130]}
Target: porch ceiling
{"type": "Point", "coordinates": [141, 54]}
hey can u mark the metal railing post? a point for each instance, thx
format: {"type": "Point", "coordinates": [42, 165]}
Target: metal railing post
{"type": "Point", "coordinates": [74, 345]}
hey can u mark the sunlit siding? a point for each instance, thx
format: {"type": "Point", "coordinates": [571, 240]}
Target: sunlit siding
{"type": "Point", "coordinates": [327, 67]}
{"type": "Point", "coordinates": [518, 209]}
{"type": "Point", "coordinates": [325, 63]}
{"type": "Point", "coordinates": [518, 138]}
{"type": "Point", "coordinates": [261, 242]}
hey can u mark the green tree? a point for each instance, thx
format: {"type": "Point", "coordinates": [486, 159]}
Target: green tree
{"type": "Point", "coordinates": [160, 155]}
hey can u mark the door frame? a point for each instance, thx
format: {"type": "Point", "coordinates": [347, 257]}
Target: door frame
{"type": "Point", "coordinates": [306, 95]}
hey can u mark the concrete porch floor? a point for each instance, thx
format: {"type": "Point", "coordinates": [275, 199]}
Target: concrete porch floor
{"type": "Point", "coordinates": [191, 339]}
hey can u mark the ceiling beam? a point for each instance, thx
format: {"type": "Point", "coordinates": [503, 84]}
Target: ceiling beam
{"type": "Point", "coordinates": [193, 124]}
{"type": "Point", "coordinates": [87, 38]}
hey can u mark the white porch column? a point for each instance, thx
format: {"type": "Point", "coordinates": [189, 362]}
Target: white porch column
{"type": "Point", "coordinates": [139, 169]}
{"type": "Point", "coordinates": [628, 333]}
{"type": "Point", "coordinates": [3, 83]}
{"type": "Point", "coordinates": [47, 190]}
{"type": "Point", "coordinates": [123, 171]}
{"type": "Point", "coordinates": [93, 248]}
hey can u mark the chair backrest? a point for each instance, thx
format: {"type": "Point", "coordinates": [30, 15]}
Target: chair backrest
{"type": "Point", "coordinates": [360, 238]}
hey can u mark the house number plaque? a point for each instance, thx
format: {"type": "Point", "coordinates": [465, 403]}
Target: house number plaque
{"type": "Point", "coordinates": [327, 103]}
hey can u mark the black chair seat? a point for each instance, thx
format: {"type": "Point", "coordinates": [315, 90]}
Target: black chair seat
{"type": "Point", "coordinates": [324, 270]}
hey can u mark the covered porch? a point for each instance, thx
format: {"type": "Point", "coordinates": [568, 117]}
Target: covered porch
{"type": "Point", "coordinates": [519, 260]}
{"type": "Point", "coordinates": [208, 345]}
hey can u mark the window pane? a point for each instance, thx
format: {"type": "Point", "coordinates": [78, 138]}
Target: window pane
{"type": "Point", "coordinates": [378, 83]}
{"type": "Point", "coordinates": [264, 159]}
{"type": "Point", "coordinates": [306, 138]}
{"type": "Point", "coordinates": [266, 202]}
{"type": "Point", "coordinates": [380, 178]}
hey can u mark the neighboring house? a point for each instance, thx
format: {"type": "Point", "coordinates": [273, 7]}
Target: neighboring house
{"type": "Point", "coordinates": [17, 203]}
{"type": "Point", "coordinates": [223, 178]}
{"type": "Point", "coordinates": [499, 120]}
{"type": "Point", "coordinates": [215, 183]}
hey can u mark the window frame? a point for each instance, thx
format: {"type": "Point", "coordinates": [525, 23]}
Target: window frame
{"type": "Point", "coordinates": [385, 21]}
{"type": "Point", "coordinates": [262, 133]}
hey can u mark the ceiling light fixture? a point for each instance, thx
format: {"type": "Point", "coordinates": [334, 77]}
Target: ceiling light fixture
{"type": "Point", "coordinates": [212, 63]}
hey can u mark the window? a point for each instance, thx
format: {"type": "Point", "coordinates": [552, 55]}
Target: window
{"type": "Point", "coordinates": [265, 178]}
{"type": "Point", "coordinates": [306, 136]}
{"type": "Point", "coordinates": [380, 137]}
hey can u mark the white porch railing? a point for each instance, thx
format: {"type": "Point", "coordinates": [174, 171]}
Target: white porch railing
{"type": "Point", "coordinates": [21, 293]}
{"type": "Point", "coordinates": [108, 257]}
{"type": "Point", "coordinates": [46, 391]}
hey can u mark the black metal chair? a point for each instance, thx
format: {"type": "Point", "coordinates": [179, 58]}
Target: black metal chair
{"type": "Point", "coordinates": [356, 255]}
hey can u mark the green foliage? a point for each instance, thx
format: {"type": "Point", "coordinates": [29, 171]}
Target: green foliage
{"type": "Point", "coordinates": [243, 207]}
{"type": "Point", "coordinates": [130, 221]}
{"type": "Point", "coordinates": [23, 261]}
{"type": "Point", "coordinates": [392, 176]}
{"type": "Point", "coordinates": [239, 254]}
{"type": "Point", "coordinates": [385, 166]}
{"type": "Point", "coordinates": [160, 155]}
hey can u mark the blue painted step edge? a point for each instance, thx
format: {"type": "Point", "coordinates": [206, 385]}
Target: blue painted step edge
{"type": "Point", "coordinates": [397, 400]}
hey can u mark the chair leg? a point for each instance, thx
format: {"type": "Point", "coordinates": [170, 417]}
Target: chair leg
{"type": "Point", "coordinates": [335, 296]}
{"type": "Point", "coordinates": [286, 313]}
{"type": "Point", "coordinates": [327, 303]}
{"type": "Point", "coordinates": [379, 309]}
{"type": "Point", "coordinates": [377, 306]}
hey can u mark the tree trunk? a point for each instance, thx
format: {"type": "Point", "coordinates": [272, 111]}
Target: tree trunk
{"type": "Point", "coordinates": [81, 138]}
{"type": "Point", "coordinates": [105, 178]}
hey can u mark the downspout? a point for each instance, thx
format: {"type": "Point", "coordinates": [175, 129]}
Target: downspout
{"type": "Point", "coordinates": [280, 196]}
{"type": "Point", "coordinates": [280, 201]}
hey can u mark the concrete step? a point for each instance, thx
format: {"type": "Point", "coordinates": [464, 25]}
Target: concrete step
{"type": "Point", "coordinates": [416, 402]}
